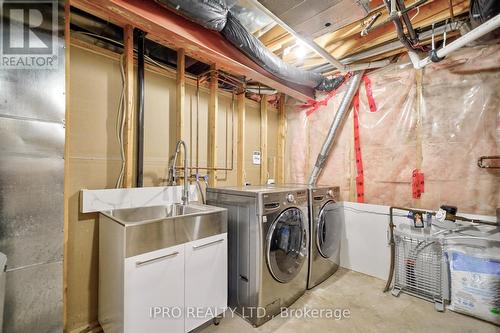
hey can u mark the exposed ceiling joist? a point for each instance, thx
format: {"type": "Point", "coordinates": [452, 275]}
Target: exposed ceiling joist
{"type": "Point", "coordinates": [176, 32]}
{"type": "Point", "coordinates": [347, 40]}
{"type": "Point", "coordinates": [358, 43]}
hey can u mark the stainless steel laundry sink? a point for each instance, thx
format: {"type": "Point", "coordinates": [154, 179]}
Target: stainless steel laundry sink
{"type": "Point", "coordinates": [145, 214]}
{"type": "Point", "coordinates": [147, 229]}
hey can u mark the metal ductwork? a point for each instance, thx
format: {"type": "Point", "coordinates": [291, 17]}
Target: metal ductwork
{"type": "Point", "coordinates": [237, 34]}
{"type": "Point", "coordinates": [342, 112]}
{"type": "Point", "coordinates": [216, 15]}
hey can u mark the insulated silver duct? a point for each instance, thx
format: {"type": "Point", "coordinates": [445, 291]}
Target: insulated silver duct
{"type": "Point", "coordinates": [337, 121]}
{"type": "Point", "coordinates": [215, 15]}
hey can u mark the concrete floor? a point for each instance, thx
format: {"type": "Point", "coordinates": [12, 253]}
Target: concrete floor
{"type": "Point", "coordinates": [371, 311]}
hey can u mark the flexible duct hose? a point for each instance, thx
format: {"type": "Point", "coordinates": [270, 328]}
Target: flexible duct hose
{"type": "Point", "coordinates": [215, 15]}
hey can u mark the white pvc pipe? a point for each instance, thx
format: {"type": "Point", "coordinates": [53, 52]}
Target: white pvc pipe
{"type": "Point", "coordinates": [471, 36]}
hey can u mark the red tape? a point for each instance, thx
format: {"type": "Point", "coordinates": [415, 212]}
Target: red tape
{"type": "Point", "coordinates": [369, 94]}
{"type": "Point", "coordinates": [312, 105]}
{"type": "Point", "coordinates": [418, 183]}
{"type": "Point", "coordinates": [360, 182]}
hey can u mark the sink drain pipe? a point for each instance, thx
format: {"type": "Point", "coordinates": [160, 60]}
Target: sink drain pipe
{"type": "Point", "coordinates": [342, 112]}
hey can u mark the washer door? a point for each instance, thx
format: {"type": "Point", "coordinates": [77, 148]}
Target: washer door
{"type": "Point", "coordinates": [328, 230]}
{"type": "Point", "coordinates": [287, 245]}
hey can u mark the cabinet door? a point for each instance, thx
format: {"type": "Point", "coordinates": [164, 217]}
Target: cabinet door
{"type": "Point", "coordinates": [154, 291]}
{"type": "Point", "coordinates": [206, 280]}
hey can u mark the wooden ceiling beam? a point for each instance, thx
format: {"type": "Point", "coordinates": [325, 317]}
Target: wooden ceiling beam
{"type": "Point", "coordinates": [174, 31]}
{"type": "Point", "coordinates": [347, 40]}
{"type": "Point", "coordinates": [343, 48]}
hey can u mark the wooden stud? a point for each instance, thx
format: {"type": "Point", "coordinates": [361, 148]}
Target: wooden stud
{"type": "Point", "coordinates": [281, 140]}
{"type": "Point", "coordinates": [67, 43]}
{"type": "Point", "coordinates": [180, 97]}
{"type": "Point", "coordinates": [264, 172]}
{"type": "Point", "coordinates": [347, 40]}
{"type": "Point", "coordinates": [240, 172]}
{"type": "Point", "coordinates": [169, 29]}
{"type": "Point", "coordinates": [163, 71]}
{"type": "Point", "coordinates": [212, 128]}
{"type": "Point", "coordinates": [128, 139]}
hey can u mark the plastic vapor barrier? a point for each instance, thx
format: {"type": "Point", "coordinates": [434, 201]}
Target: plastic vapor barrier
{"type": "Point", "coordinates": [441, 126]}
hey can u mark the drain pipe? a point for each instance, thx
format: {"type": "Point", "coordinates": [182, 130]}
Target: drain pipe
{"type": "Point", "coordinates": [343, 110]}
{"type": "Point", "coordinates": [469, 37]}
{"type": "Point", "coordinates": [140, 108]}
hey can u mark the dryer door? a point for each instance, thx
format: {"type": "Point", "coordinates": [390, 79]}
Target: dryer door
{"type": "Point", "coordinates": [328, 230]}
{"type": "Point", "coordinates": [287, 245]}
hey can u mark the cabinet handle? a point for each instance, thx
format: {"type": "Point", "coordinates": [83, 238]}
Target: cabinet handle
{"type": "Point", "coordinates": [150, 261]}
{"type": "Point", "coordinates": [196, 247]}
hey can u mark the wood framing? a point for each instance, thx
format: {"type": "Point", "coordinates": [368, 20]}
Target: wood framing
{"type": "Point", "coordinates": [281, 140]}
{"type": "Point", "coordinates": [174, 31]}
{"type": "Point", "coordinates": [240, 171]}
{"type": "Point", "coordinates": [67, 42]}
{"type": "Point", "coordinates": [348, 40]}
{"type": "Point", "coordinates": [128, 136]}
{"type": "Point", "coordinates": [212, 128]}
{"type": "Point", "coordinates": [180, 96]}
{"type": "Point", "coordinates": [264, 170]}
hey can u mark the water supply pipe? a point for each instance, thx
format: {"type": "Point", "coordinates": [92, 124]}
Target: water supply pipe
{"type": "Point", "coordinates": [342, 112]}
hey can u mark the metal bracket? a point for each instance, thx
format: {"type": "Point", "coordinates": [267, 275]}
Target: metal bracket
{"type": "Point", "coordinates": [396, 290]}
{"type": "Point", "coordinates": [439, 304]}
{"type": "Point", "coordinates": [483, 158]}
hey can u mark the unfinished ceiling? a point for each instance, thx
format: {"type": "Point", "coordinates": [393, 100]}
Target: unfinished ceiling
{"type": "Point", "coordinates": [313, 18]}
{"type": "Point", "coordinates": [337, 25]}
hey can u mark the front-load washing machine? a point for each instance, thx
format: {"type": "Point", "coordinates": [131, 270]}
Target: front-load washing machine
{"type": "Point", "coordinates": [325, 216]}
{"type": "Point", "coordinates": [268, 246]}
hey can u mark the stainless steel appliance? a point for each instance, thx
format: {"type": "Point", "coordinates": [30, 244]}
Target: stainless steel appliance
{"type": "Point", "coordinates": [325, 217]}
{"type": "Point", "coordinates": [268, 235]}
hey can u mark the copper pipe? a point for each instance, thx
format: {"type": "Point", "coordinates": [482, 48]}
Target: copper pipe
{"type": "Point", "coordinates": [392, 242]}
{"type": "Point", "coordinates": [198, 168]}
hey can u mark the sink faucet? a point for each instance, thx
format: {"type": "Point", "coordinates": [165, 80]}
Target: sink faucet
{"type": "Point", "coordinates": [185, 191]}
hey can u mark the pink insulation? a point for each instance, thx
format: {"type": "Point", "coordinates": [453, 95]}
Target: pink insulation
{"type": "Point", "coordinates": [443, 133]}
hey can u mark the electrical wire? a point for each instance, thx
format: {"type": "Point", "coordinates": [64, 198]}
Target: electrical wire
{"type": "Point", "coordinates": [418, 12]}
{"type": "Point", "coordinates": [148, 58]}
{"type": "Point", "coordinates": [99, 37]}
{"type": "Point", "coordinates": [120, 123]}
{"type": "Point", "coordinates": [371, 212]}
